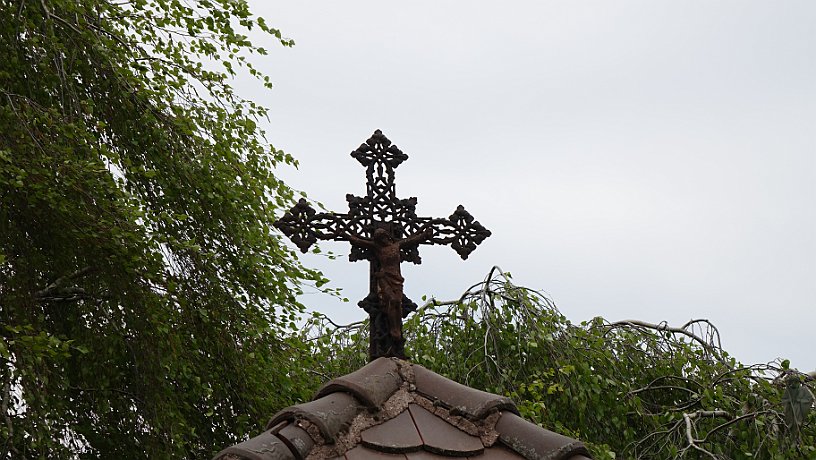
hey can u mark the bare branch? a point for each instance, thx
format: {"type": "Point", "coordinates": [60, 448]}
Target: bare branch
{"type": "Point", "coordinates": [689, 435]}
{"type": "Point", "coordinates": [56, 287]}
{"type": "Point", "coordinates": [663, 327]}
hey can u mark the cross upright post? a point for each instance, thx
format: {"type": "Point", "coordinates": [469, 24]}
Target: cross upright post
{"type": "Point", "coordinates": [384, 230]}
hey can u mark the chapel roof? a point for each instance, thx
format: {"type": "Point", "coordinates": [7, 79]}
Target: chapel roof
{"type": "Point", "coordinates": [391, 409]}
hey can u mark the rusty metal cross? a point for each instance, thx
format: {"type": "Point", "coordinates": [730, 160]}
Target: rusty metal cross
{"type": "Point", "coordinates": [384, 230]}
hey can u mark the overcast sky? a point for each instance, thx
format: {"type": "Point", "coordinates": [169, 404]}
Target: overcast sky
{"type": "Point", "coordinates": [646, 160]}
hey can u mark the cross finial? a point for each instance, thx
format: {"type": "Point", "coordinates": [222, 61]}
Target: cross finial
{"type": "Point", "coordinates": [384, 230]}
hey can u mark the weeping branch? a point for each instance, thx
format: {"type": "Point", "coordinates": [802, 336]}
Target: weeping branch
{"type": "Point", "coordinates": [681, 394]}
{"type": "Point", "coordinates": [58, 291]}
{"type": "Point", "coordinates": [715, 349]}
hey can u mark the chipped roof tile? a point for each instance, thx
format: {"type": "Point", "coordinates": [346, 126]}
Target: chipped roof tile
{"type": "Point", "coordinates": [331, 414]}
{"type": "Point", "coordinates": [265, 446]}
{"type": "Point", "coordinates": [397, 435]}
{"type": "Point", "coordinates": [441, 437]}
{"type": "Point", "coordinates": [461, 399]}
{"type": "Point", "coordinates": [535, 443]}
{"type": "Point", "coordinates": [372, 384]}
{"type": "Point", "coordinates": [297, 439]}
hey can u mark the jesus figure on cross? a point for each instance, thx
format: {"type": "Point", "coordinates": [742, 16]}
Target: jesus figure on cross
{"type": "Point", "coordinates": [373, 225]}
{"type": "Point", "coordinates": [386, 251]}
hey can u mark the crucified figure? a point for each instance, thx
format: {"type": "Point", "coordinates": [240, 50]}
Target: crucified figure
{"type": "Point", "coordinates": [386, 250]}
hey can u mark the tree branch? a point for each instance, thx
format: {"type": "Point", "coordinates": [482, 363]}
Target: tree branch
{"type": "Point", "coordinates": [56, 286]}
{"type": "Point", "coordinates": [663, 327]}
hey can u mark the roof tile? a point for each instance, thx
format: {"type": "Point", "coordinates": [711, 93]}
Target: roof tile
{"type": "Point", "coordinates": [372, 384]}
{"type": "Point", "coordinates": [363, 453]}
{"type": "Point", "coordinates": [331, 414]}
{"type": "Point", "coordinates": [396, 435]}
{"type": "Point", "coordinates": [442, 438]}
{"type": "Point", "coordinates": [297, 439]}
{"type": "Point", "coordinates": [425, 455]}
{"type": "Point", "coordinates": [473, 403]}
{"type": "Point", "coordinates": [265, 446]}
{"type": "Point", "coordinates": [497, 452]}
{"type": "Point", "coordinates": [490, 453]}
{"type": "Point", "coordinates": [535, 443]}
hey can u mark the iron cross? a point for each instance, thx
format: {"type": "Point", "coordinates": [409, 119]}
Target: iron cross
{"type": "Point", "coordinates": [384, 230]}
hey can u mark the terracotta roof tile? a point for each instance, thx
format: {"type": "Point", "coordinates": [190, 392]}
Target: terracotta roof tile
{"type": "Point", "coordinates": [459, 398]}
{"type": "Point", "coordinates": [362, 453]}
{"type": "Point", "coordinates": [497, 452]}
{"type": "Point", "coordinates": [265, 446]}
{"type": "Point", "coordinates": [371, 384]}
{"type": "Point", "coordinates": [536, 443]}
{"type": "Point", "coordinates": [442, 438]}
{"type": "Point", "coordinates": [425, 455]}
{"type": "Point", "coordinates": [297, 439]}
{"type": "Point", "coordinates": [331, 414]}
{"type": "Point", "coordinates": [395, 436]}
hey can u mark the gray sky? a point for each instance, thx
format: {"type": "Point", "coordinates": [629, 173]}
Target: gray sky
{"type": "Point", "coordinates": [647, 160]}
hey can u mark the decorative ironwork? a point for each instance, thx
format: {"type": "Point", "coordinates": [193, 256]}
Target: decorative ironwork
{"type": "Point", "coordinates": [384, 230]}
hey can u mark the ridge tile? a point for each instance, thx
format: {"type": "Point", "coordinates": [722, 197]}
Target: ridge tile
{"type": "Point", "coordinates": [462, 400]}
{"type": "Point", "coordinates": [372, 384]}
{"type": "Point", "coordinates": [297, 439]}
{"type": "Point", "coordinates": [535, 443]}
{"type": "Point", "coordinates": [331, 414]}
{"type": "Point", "coordinates": [265, 446]}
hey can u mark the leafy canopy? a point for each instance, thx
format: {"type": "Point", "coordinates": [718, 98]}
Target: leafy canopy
{"type": "Point", "coordinates": [142, 288]}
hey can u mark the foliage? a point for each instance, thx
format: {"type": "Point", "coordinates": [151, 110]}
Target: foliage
{"type": "Point", "coordinates": [630, 389]}
{"type": "Point", "coordinates": [141, 286]}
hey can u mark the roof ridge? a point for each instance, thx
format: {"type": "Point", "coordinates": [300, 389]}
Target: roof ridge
{"type": "Point", "coordinates": [333, 423]}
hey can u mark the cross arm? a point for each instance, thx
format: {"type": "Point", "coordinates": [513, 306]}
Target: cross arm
{"type": "Point", "coordinates": [305, 226]}
{"type": "Point", "coordinates": [460, 231]}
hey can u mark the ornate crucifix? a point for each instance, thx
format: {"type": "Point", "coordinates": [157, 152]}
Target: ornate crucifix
{"type": "Point", "coordinates": [384, 230]}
